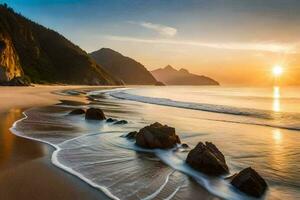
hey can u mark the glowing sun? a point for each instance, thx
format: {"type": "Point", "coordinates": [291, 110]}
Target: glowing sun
{"type": "Point", "coordinates": [277, 70]}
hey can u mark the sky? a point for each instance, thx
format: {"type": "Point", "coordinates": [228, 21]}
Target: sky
{"type": "Point", "coordinates": [233, 41]}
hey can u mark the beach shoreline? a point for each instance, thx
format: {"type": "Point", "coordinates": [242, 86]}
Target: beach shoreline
{"type": "Point", "coordinates": [26, 168]}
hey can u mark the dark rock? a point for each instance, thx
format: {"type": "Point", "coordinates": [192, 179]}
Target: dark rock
{"type": "Point", "coordinates": [208, 159]}
{"type": "Point", "coordinates": [77, 112]}
{"type": "Point", "coordinates": [250, 182]}
{"type": "Point", "coordinates": [131, 135]}
{"type": "Point", "coordinates": [94, 114]}
{"type": "Point", "coordinates": [157, 136]}
{"type": "Point", "coordinates": [185, 146]}
{"type": "Point", "coordinates": [17, 81]}
{"type": "Point", "coordinates": [110, 120]}
{"type": "Point", "coordinates": [121, 122]}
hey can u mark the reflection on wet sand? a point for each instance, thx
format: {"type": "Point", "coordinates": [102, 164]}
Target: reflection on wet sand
{"type": "Point", "coordinates": [15, 150]}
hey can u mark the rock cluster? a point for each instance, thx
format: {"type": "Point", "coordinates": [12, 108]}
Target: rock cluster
{"type": "Point", "coordinates": [206, 158]}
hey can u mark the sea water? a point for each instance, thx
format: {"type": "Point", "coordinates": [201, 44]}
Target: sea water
{"type": "Point", "coordinates": [257, 127]}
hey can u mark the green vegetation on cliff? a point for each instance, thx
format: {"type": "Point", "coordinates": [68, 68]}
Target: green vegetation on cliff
{"type": "Point", "coordinates": [45, 56]}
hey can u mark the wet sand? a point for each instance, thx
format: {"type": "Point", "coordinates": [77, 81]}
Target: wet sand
{"type": "Point", "coordinates": [26, 171]}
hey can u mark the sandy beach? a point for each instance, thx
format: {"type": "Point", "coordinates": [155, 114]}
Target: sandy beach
{"type": "Point", "coordinates": [96, 153]}
{"type": "Point", "coordinates": [26, 169]}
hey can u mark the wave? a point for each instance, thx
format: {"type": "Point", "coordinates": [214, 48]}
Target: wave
{"type": "Point", "coordinates": [261, 117]}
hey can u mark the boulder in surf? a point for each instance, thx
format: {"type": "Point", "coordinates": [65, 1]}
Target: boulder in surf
{"type": "Point", "coordinates": [249, 182]}
{"type": "Point", "coordinates": [207, 159]}
{"type": "Point", "coordinates": [157, 136]}
{"type": "Point", "coordinates": [94, 114]}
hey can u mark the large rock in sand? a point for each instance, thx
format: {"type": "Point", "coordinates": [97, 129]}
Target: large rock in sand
{"type": "Point", "coordinates": [94, 114]}
{"type": "Point", "coordinates": [207, 159]}
{"type": "Point", "coordinates": [250, 182]}
{"type": "Point", "coordinates": [157, 136]}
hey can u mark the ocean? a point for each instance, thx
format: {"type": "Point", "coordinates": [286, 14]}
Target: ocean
{"type": "Point", "coordinates": [257, 127]}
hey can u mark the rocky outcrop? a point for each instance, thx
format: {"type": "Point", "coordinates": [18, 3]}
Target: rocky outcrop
{"type": "Point", "coordinates": [157, 136]}
{"type": "Point", "coordinates": [171, 76]}
{"type": "Point", "coordinates": [78, 111]}
{"type": "Point", "coordinates": [207, 159]}
{"type": "Point", "coordinates": [249, 182]}
{"type": "Point", "coordinates": [125, 68]}
{"type": "Point", "coordinates": [94, 114]}
{"type": "Point", "coordinates": [10, 66]}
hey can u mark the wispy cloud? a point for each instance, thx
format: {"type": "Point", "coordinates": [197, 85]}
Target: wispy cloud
{"type": "Point", "coordinates": [161, 29]}
{"type": "Point", "coordinates": [251, 46]}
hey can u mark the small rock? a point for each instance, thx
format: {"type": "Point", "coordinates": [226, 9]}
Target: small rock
{"type": "Point", "coordinates": [250, 182]}
{"type": "Point", "coordinates": [131, 135]}
{"type": "Point", "coordinates": [94, 114]}
{"type": "Point", "coordinates": [121, 122]}
{"type": "Point", "coordinates": [157, 136]}
{"type": "Point", "coordinates": [185, 146]}
{"type": "Point", "coordinates": [207, 159]}
{"type": "Point", "coordinates": [77, 112]}
{"type": "Point", "coordinates": [110, 120]}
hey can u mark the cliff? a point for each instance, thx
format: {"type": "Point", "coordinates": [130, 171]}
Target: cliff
{"type": "Point", "coordinates": [43, 55]}
{"type": "Point", "coordinates": [125, 68]}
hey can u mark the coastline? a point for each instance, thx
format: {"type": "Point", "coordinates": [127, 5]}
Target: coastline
{"type": "Point", "coordinates": [26, 168]}
{"type": "Point", "coordinates": [31, 165]}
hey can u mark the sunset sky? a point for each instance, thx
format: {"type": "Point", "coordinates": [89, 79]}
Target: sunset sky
{"type": "Point", "coordinates": [233, 41]}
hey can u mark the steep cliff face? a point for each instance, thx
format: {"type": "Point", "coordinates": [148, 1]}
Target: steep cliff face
{"type": "Point", "coordinates": [44, 55]}
{"type": "Point", "coordinates": [9, 60]}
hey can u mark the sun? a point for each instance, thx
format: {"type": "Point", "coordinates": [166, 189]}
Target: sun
{"type": "Point", "coordinates": [277, 70]}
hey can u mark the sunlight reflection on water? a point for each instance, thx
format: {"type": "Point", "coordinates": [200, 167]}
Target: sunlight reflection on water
{"type": "Point", "coordinates": [276, 99]}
